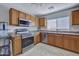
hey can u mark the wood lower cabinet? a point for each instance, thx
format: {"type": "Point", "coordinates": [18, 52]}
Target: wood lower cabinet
{"type": "Point", "coordinates": [37, 38]}
{"type": "Point", "coordinates": [71, 42]}
{"type": "Point", "coordinates": [59, 40]}
{"type": "Point", "coordinates": [68, 42]}
{"type": "Point", "coordinates": [76, 44]}
{"type": "Point", "coordinates": [56, 40]}
{"type": "Point", "coordinates": [13, 16]}
{"type": "Point", "coordinates": [51, 39]}
{"type": "Point", "coordinates": [16, 45]}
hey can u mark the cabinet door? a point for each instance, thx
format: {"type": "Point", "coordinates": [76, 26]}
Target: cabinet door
{"type": "Point", "coordinates": [51, 39]}
{"type": "Point", "coordinates": [28, 17]}
{"type": "Point", "coordinates": [42, 22]}
{"type": "Point", "coordinates": [36, 22]}
{"type": "Point", "coordinates": [33, 19]}
{"type": "Point", "coordinates": [71, 42]}
{"type": "Point", "coordinates": [13, 17]}
{"type": "Point", "coordinates": [22, 15]}
{"type": "Point", "coordinates": [37, 38]}
{"type": "Point", "coordinates": [76, 43]}
{"type": "Point", "coordinates": [75, 17]}
{"type": "Point", "coordinates": [17, 48]}
{"type": "Point", "coordinates": [59, 40]}
{"type": "Point", "coordinates": [68, 42]}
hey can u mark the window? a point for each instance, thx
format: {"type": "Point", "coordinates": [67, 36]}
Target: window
{"type": "Point", "coordinates": [63, 23]}
{"type": "Point", "coordinates": [51, 24]}
{"type": "Point", "coordinates": [58, 23]}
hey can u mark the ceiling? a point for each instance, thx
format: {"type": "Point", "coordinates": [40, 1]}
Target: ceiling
{"type": "Point", "coordinates": [39, 8]}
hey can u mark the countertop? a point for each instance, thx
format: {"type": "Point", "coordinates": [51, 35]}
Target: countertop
{"type": "Point", "coordinates": [60, 32]}
{"type": "Point", "coordinates": [44, 31]}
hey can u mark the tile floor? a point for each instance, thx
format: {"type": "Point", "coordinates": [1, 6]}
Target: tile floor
{"type": "Point", "coordinates": [46, 50]}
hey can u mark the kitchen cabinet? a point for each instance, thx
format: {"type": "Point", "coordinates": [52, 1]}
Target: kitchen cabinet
{"type": "Point", "coordinates": [55, 39]}
{"type": "Point", "coordinates": [66, 41]}
{"type": "Point", "coordinates": [59, 40]}
{"type": "Point", "coordinates": [16, 45]}
{"type": "Point", "coordinates": [22, 15]}
{"type": "Point", "coordinates": [33, 19]}
{"type": "Point", "coordinates": [71, 42]}
{"type": "Point", "coordinates": [42, 22]}
{"type": "Point", "coordinates": [37, 38]}
{"type": "Point", "coordinates": [28, 16]}
{"type": "Point", "coordinates": [13, 16]}
{"type": "Point", "coordinates": [51, 38]}
{"type": "Point", "coordinates": [75, 17]}
{"type": "Point", "coordinates": [37, 22]}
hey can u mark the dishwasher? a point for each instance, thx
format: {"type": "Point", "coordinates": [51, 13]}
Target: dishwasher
{"type": "Point", "coordinates": [44, 37]}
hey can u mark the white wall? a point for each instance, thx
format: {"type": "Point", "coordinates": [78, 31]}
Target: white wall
{"type": "Point", "coordinates": [60, 13]}
{"type": "Point", "coordinates": [4, 14]}
{"type": "Point", "coordinates": [57, 15]}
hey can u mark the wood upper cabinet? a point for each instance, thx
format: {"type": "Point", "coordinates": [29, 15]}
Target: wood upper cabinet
{"type": "Point", "coordinates": [28, 17]}
{"type": "Point", "coordinates": [51, 38]}
{"type": "Point", "coordinates": [59, 40]}
{"type": "Point", "coordinates": [42, 22]}
{"type": "Point", "coordinates": [33, 19]}
{"type": "Point", "coordinates": [37, 38]}
{"type": "Point", "coordinates": [22, 15]}
{"type": "Point", "coordinates": [37, 22]}
{"type": "Point", "coordinates": [13, 16]}
{"type": "Point", "coordinates": [16, 45]}
{"type": "Point", "coordinates": [71, 42]}
{"type": "Point", "coordinates": [75, 17]}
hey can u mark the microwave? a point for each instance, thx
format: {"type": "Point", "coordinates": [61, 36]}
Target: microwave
{"type": "Point", "coordinates": [23, 22]}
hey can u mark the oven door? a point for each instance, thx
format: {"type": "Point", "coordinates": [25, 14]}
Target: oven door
{"type": "Point", "coordinates": [27, 41]}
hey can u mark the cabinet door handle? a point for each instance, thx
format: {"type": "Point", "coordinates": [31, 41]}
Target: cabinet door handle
{"type": "Point", "coordinates": [59, 39]}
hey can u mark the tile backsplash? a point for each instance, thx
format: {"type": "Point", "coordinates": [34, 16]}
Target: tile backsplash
{"type": "Point", "coordinates": [12, 28]}
{"type": "Point", "coordinates": [75, 28]}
